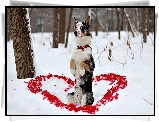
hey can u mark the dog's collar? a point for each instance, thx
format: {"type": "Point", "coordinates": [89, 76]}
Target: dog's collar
{"type": "Point", "coordinates": [82, 47]}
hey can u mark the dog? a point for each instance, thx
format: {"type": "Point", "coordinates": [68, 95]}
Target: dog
{"type": "Point", "coordinates": [82, 65]}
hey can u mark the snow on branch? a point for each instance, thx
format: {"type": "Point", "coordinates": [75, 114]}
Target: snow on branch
{"type": "Point", "coordinates": [118, 9]}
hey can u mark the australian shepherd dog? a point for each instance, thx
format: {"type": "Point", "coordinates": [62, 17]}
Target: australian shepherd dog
{"type": "Point", "coordinates": [82, 65]}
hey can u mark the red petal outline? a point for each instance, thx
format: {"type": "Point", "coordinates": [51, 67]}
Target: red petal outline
{"type": "Point", "coordinates": [34, 85]}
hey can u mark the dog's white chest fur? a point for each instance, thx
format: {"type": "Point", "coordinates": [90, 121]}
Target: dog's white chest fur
{"type": "Point", "coordinates": [79, 54]}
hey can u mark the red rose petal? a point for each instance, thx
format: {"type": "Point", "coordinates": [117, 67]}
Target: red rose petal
{"type": "Point", "coordinates": [34, 85]}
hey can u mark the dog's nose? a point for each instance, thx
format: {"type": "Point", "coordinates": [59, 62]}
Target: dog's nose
{"type": "Point", "coordinates": [78, 32]}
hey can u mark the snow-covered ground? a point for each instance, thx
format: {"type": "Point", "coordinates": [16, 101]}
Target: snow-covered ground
{"type": "Point", "coordinates": [137, 64]}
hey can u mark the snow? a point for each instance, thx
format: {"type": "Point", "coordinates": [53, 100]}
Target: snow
{"type": "Point", "coordinates": [136, 64]}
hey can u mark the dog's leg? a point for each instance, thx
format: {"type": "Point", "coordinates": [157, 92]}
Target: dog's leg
{"type": "Point", "coordinates": [87, 98]}
{"type": "Point", "coordinates": [75, 97]}
{"type": "Point", "coordinates": [86, 67]}
{"type": "Point", "coordinates": [71, 98]}
{"type": "Point", "coordinates": [78, 97]}
{"type": "Point", "coordinates": [72, 66]}
{"type": "Point", "coordinates": [81, 68]}
{"type": "Point", "coordinates": [83, 101]}
{"type": "Point", "coordinates": [78, 93]}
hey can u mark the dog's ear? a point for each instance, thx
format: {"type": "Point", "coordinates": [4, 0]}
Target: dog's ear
{"type": "Point", "coordinates": [83, 23]}
{"type": "Point", "coordinates": [75, 22]}
{"type": "Point", "coordinates": [88, 21]}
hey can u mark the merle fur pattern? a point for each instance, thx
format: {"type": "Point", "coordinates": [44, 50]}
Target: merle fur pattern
{"type": "Point", "coordinates": [83, 94]}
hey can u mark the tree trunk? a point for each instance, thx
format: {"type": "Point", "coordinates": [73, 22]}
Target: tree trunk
{"type": "Point", "coordinates": [8, 26]}
{"type": "Point", "coordinates": [140, 25]}
{"type": "Point", "coordinates": [30, 11]}
{"type": "Point", "coordinates": [156, 16]}
{"type": "Point", "coordinates": [112, 18]}
{"type": "Point", "coordinates": [128, 21]}
{"type": "Point", "coordinates": [106, 20]}
{"type": "Point", "coordinates": [21, 43]}
{"type": "Point", "coordinates": [148, 20]}
{"type": "Point", "coordinates": [55, 27]}
{"type": "Point", "coordinates": [96, 22]}
{"type": "Point", "coordinates": [144, 31]}
{"type": "Point", "coordinates": [152, 19]}
{"type": "Point", "coordinates": [68, 28]}
{"type": "Point", "coordinates": [118, 20]}
{"type": "Point", "coordinates": [62, 25]}
{"type": "Point", "coordinates": [136, 19]}
{"type": "Point", "coordinates": [122, 19]}
{"type": "Point", "coordinates": [86, 13]}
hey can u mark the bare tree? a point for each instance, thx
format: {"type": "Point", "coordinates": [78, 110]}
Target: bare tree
{"type": "Point", "coordinates": [128, 21]}
{"type": "Point", "coordinates": [55, 27]}
{"type": "Point", "coordinates": [122, 21]}
{"type": "Point", "coordinates": [106, 19]}
{"type": "Point", "coordinates": [118, 20]}
{"type": "Point", "coordinates": [68, 27]}
{"type": "Point", "coordinates": [30, 11]}
{"type": "Point", "coordinates": [148, 20]}
{"type": "Point", "coordinates": [62, 25]}
{"type": "Point", "coordinates": [136, 16]}
{"type": "Point", "coordinates": [144, 29]}
{"type": "Point", "coordinates": [86, 12]}
{"type": "Point", "coordinates": [21, 43]}
{"type": "Point", "coordinates": [140, 20]}
{"type": "Point", "coordinates": [8, 26]}
{"type": "Point", "coordinates": [96, 22]}
{"type": "Point", "coordinates": [152, 15]}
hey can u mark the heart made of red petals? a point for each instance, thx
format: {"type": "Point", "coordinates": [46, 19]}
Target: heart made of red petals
{"type": "Point", "coordinates": [34, 85]}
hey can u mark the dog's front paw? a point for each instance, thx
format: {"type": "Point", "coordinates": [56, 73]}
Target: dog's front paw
{"type": "Point", "coordinates": [70, 98]}
{"type": "Point", "coordinates": [81, 68]}
{"type": "Point", "coordinates": [82, 72]}
{"type": "Point", "coordinates": [90, 98]}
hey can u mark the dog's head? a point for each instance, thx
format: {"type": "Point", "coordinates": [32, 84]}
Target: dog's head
{"type": "Point", "coordinates": [82, 28]}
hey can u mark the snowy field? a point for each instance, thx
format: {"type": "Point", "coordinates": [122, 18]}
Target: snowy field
{"type": "Point", "coordinates": [137, 64]}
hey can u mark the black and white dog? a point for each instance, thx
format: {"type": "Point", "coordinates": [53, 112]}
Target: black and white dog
{"type": "Point", "coordinates": [82, 66]}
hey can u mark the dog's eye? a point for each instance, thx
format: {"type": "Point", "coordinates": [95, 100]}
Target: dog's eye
{"type": "Point", "coordinates": [75, 27]}
{"type": "Point", "coordinates": [82, 27]}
